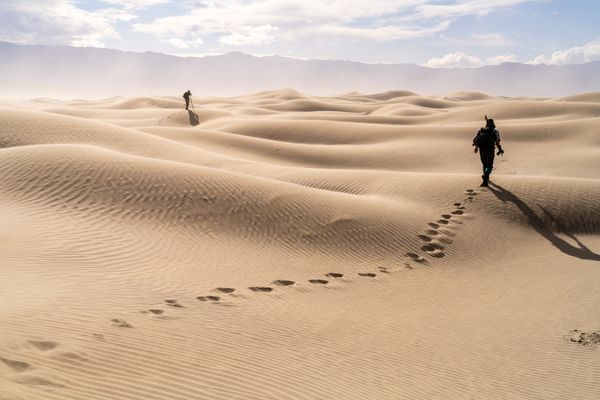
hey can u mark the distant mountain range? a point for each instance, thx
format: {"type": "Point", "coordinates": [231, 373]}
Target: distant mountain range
{"type": "Point", "coordinates": [38, 71]}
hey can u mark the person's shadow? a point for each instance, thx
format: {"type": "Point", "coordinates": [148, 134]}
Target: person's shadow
{"type": "Point", "coordinates": [579, 251]}
{"type": "Point", "coordinates": [194, 120]}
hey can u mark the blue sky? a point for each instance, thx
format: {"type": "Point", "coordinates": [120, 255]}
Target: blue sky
{"type": "Point", "coordinates": [437, 33]}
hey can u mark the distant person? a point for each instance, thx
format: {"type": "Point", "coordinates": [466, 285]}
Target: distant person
{"type": "Point", "coordinates": [187, 95]}
{"type": "Point", "coordinates": [486, 141]}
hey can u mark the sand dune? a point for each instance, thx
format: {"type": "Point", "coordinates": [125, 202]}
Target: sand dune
{"type": "Point", "coordinates": [287, 246]}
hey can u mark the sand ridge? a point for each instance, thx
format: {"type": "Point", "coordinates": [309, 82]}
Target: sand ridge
{"type": "Point", "coordinates": [287, 246]}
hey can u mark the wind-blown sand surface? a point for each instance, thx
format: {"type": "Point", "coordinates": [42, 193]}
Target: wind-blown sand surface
{"type": "Point", "coordinates": [285, 246]}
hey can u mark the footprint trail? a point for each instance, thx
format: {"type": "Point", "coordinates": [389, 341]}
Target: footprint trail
{"type": "Point", "coordinates": [435, 237]}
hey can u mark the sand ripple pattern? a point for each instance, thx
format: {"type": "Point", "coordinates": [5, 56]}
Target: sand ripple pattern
{"type": "Point", "coordinates": [288, 246]}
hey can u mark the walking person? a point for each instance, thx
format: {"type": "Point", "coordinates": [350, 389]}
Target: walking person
{"type": "Point", "coordinates": [486, 141]}
{"type": "Point", "coordinates": [187, 95]}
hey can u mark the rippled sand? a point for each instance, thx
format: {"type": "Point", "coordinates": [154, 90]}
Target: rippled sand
{"type": "Point", "coordinates": [284, 246]}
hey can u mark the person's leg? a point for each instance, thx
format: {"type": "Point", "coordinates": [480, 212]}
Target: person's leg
{"type": "Point", "coordinates": [487, 160]}
{"type": "Point", "coordinates": [483, 158]}
{"type": "Point", "coordinates": [489, 163]}
{"type": "Point", "coordinates": [187, 103]}
{"type": "Point", "coordinates": [488, 166]}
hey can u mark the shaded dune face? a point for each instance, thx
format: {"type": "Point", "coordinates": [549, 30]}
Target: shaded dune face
{"type": "Point", "coordinates": [338, 246]}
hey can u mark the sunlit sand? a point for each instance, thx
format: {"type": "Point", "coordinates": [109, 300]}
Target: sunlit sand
{"type": "Point", "coordinates": [285, 246]}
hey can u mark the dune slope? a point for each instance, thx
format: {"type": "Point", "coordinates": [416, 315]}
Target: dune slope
{"type": "Point", "coordinates": [287, 246]}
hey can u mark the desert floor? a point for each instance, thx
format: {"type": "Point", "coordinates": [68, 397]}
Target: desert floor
{"type": "Point", "coordinates": [284, 246]}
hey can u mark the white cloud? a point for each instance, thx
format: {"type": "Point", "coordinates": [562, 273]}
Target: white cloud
{"type": "Point", "coordinates": [496, 60]}
{"type": "Point", "coordinates": [455, 60]}
{"type": "Point", "coordinates": [250, 35]}
{"type": "Point", "coordinates": [575, 55]}
{"type": "Point", "coordinates": [240, 22]}
{"type": "Point", "coordinates": [57, 22]}
{"type": "Point", "coordinates": [468, 7]}
{"type": "Point", "coordinates": [380, 33]}
{"type": "Point", "coordinates": [112, 15]}
{"type": "Point", "coordinates": [135, 4]}
{"type": "Point", "coordinates": [176, 42]}
{"type": "Point", "coordinates": [462, 60]}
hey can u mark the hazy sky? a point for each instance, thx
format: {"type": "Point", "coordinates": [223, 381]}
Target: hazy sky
{"type": "Point", "coordinates": [438, 33]}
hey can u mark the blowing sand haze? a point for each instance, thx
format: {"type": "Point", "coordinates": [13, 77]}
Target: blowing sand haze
{"type": "Point", "coordinates": [288, 246]}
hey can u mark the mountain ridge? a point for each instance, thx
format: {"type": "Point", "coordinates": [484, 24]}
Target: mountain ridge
{"type": "Point", "coordinates": [59, 71]}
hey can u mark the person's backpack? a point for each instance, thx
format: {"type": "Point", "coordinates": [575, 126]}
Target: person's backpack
{"type": "Point", "coordinates": [486, 138]}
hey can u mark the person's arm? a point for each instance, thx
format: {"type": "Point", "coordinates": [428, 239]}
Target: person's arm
{"type": "Point", "coordinates": [475, 147]}
{"type": "Point", "coordinates": [500, 151]}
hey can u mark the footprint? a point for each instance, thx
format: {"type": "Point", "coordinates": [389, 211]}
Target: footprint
{"type": "Point", "coordinates": [42, 344]}
{"type": "Point", "coordinates": [318, 281]}
{"type": "Point", "coordinates": [408, 266]}
{"type": "Point", "coordinates": [434, 250]}
{"type": "Point", "coordinates": [263, 289]}
{"type": "Point", "coordinates": [431, 232]}
{"type": "Point", "coordinates": [156, 311]}
{"type": "Point", "coordinates": [383, 270]}
{"type": "Point", "coordinates": [334, 275]}
{"type": "Point", "coordinates": [367, 274]}
{"type": "Point", "coordinates": [437, 254]}
{"type": "Point", "coordinates": [424, 238]}
{"type": "Point", "coordinates": [591, 339]}
{"type": "Point", "coordinates": [208, 298]}
{"type": "Point", "coordinates": [415, 257]}
{"type": "Point", "coordinates": [435, 226]}
{"type": "Point", "coordinates": [173, 303]}
{"type": "Point", "coordinates": [121, 323]}
{"type": "Point", "coordinates": [470, 198]}
{"type": "Point", "coordinates": [443, 222]}
{"type": "Point", "coordinates": [17, 366]}
{"type": "Point", "coordinates": [225, 290]}
{"type": "Point", "coordinates": [457, 212]}
{"type": "Point", "coordinates": [432, 247]}
{"type": "Point", "coordinates": [283, 282]}
{"type": "Point", "coordinates": [458, 204]}
{"type": "Point", "coordinates": [446, 216]}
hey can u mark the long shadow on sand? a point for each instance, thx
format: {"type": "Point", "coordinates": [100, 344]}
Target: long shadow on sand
{"type": "Point", "coordinates": [193, 118]}
{"type": "Point", "coordinates": [542, 228]}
